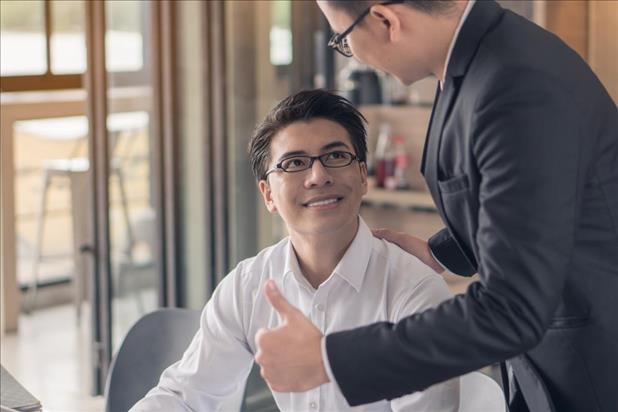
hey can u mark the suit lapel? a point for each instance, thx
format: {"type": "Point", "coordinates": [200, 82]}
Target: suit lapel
{"type": "Point", "coordinates": [433, 111]}
{"type": "Point", "coordinates": [432, 147]}
{"type": "Point", "coordinates": [483, 15]}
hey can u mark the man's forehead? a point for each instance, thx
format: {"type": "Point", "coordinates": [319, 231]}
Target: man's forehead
{"type": "Point", "coordinates": [288, 147]}
{"type": "Point", "coordinates": [310, 137]}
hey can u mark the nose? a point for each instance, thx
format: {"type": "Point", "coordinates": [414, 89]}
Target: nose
{"type": "Point", "coordinates": [318, 176]}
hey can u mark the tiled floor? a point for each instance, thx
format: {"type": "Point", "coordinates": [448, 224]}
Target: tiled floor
{"type": "Point", "coordinates": [49, 356]}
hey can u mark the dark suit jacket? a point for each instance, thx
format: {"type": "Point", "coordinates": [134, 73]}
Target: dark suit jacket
{"type": "Point", "coordinates": [522, 161]}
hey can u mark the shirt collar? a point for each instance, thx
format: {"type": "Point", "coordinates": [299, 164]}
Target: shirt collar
{"type": "Point", "coordinates": [352, 266]}
{"type": "Point", "coordinates": [291, 266]}
{"type": "Point", "coordinates": [454, 39]}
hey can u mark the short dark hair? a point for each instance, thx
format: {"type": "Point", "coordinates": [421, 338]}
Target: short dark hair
{"type": "Point", "coordinates": [355, 8]}
{"type": "Point", "coordinates": [304, 106]}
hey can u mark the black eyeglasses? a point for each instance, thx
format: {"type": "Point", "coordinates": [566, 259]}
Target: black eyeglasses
{"type": "Point", "coordinates": [331, 160]}
{"type": "Point", "coordinates": [339, 42]}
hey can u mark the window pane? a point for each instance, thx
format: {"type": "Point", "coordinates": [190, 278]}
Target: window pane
{"type": "Point", "coordinates": [68, 45]}
{"type": "Point", "coordinates": [135, 176]}
{"type": "Point", "coordinates": [124, 42]}
{"type": "Point", "coordinates": [22, 38]}
{"type": "Point", "coordinates": [281, 33]}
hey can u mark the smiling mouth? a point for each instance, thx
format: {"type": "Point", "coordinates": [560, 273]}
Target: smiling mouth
{"type": "Point", "coordinates": [324, 202]}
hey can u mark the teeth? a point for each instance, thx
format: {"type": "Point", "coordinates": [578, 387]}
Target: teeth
{"type": "Point", "coordinates": [323, 202]}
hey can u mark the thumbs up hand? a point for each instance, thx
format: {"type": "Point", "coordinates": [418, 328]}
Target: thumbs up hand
{"type": "Point", "coordinates": [290, 355]}
{"type": "Point", "coordinates": [285, 309]}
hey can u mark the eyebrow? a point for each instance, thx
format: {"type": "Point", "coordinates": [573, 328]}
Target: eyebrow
{"type": "Point", "coordinates": [332, 145]}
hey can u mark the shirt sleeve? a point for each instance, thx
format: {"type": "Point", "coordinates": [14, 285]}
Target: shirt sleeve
{"type": "Point", "coordinates": [212, 373]}
{"type": "Point", "coordinates": [441, 397]}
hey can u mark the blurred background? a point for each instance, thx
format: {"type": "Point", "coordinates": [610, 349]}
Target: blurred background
{"type": "Point", "coordinates": [125, 181]}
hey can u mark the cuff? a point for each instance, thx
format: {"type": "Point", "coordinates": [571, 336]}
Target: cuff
{"type": "Point", "coordinates": [436, 259]}
{"type": "Point", "coordinates": [447, 251]}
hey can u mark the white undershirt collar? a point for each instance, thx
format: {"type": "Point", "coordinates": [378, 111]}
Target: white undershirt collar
{"type": "Point", "coordinates": [457, 30]}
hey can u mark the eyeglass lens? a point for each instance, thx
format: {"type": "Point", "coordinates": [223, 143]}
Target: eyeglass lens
{"type": "Point", "coordinates": [332, 159]}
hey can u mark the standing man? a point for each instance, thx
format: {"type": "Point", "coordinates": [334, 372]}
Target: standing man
{"type": "Point", "coordinates": [521, 159]}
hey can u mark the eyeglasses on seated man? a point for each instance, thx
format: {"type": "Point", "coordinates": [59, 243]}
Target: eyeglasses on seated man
{"type": "Point", "coordinates": [308, 157]}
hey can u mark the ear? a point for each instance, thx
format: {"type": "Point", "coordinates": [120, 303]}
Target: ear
{"type": "Point", "coordinates": [389, 19]}
{"type": "Point", "coordinates": [363, 173]}
{"type": "Point", "coordinates": [267, 196]}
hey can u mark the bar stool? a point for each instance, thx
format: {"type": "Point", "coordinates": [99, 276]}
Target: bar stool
{"type": "Point", "coordinates": [75, 171]}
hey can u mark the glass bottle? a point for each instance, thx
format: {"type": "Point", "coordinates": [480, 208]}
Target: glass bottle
{"type": "Point", "coordinates": [401, 164]}
{"type": "Point", "coordinates": [384, 156]}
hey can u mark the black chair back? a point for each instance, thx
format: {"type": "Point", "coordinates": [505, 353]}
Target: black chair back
{"type": "Point", "coordinates": [156, 341]}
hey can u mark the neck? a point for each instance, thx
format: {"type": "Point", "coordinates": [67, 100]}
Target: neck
{"type": "Point", "coordinates": [319, 254]}
{"type": "Point", "coordinates": [445, 32]}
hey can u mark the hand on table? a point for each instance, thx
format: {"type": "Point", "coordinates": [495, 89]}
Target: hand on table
{"type": "Point", "coordinates": [411, 244]}
{"type": "Point", "coordinates": [290, 355]}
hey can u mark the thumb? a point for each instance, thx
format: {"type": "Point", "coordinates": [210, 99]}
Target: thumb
{"type": "Point", "coordinates": [278, 302]}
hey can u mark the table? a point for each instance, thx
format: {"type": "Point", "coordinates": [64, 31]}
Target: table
{"type": "Point", "coordinates": [76, 127]}
{"type": "Point", "coordinates": [13, 396]}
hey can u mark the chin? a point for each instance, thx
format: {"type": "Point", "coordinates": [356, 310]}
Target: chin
{"type": "Point", "coordinates": [323, 226]}
{"type": "Point", "coordinates": [403, 80]}
{"type": "Point", "coordinates": [411, 78]}
{"type": "Point", "coordinates": [408, 81]}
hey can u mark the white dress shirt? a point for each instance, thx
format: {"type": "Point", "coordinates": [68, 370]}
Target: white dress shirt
{"type": "Point", "coordinates": [374, 281]}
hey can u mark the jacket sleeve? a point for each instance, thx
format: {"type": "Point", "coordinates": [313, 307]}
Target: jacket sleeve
{"type": "Point", "coordinates": [527, 152]}
{"type": "Point", "coordinates": [446, 251]}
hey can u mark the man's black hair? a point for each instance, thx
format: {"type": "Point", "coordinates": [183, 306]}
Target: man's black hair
{"type": "Point", "coordinates": [355, 8]}
{"type": "Point", "coordinates": [304, 106]}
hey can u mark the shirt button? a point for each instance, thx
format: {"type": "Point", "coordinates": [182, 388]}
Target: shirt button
{"type": "Point", "coordinates": [313, 405]}
{"type": "Point", "coordinates": [320, 307]}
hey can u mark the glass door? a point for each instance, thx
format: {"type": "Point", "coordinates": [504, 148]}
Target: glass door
{"type": "Point", "coordinates": [134, 178]}
{"type": "Point", "coordinates": [124, 105]}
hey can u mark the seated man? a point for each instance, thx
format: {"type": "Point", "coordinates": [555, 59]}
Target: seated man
{"type": "Point", "coordinates": [308, 157]}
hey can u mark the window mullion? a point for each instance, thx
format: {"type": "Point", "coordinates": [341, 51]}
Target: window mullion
{"type": "Point", "coordinates": [48, 29]}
